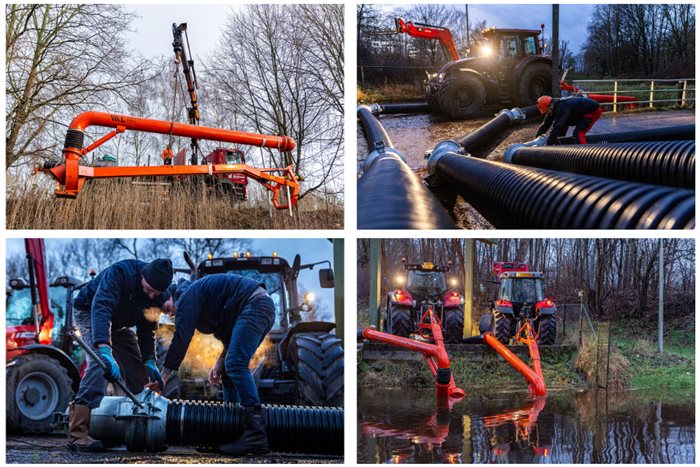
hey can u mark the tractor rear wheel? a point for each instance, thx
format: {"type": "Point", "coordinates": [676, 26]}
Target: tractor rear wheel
{"type": "Point", "coordinates": [398, 320]}
{"type": "Point", "coordinates": [461, 96]}
{"type": "Point", "coordinates": [453, 325]}
{"type": "Point", "coordinates": [535, 81]}
{"type": "Point", "coordinates": [319, 365]}
{"type": "Point", "coordinates": [503, 327]}
{"type": "Point", "coordinates": [37, 387]}
{"type": "Point", "coordinates": [547, 332]}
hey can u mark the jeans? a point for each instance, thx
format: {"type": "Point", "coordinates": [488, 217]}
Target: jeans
{"type": "Point", "coordinates": [125, 348]}
{"type": "Point", "coordinates": [249, 330]}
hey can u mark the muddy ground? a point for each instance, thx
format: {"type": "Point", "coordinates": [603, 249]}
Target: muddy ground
{"type": "Point", "coordinates": [417, 133]}
{"type": "Point", "coordinates": [52, 450]}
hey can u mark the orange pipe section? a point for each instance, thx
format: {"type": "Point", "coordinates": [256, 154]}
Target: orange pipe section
{"type": "Point", "coordinates": [533, 377]}
{"type": "Point", "coordinates": [87, 119]}
{"type": "Point", "coordinates": [430, 350]}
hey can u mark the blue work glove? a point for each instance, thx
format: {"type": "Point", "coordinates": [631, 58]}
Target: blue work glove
{"type": "Point", "coordinates": [154, 372]}
{"type": "Point", "coordinates": [112, 372]}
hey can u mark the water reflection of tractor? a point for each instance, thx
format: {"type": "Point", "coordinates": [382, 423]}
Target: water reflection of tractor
{"type": "Point", "coordinates": [426, 286]}
{"type": "Point", "coordinates": [42, 365]}
{"type": "Point", "coordinates": [520, 299]}
{"type": "Point", "coordinates": [303, 364]}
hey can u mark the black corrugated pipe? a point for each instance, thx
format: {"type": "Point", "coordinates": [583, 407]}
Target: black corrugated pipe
{"type": "Point", "coordinates": [669, 133]}
{"type": "Point", "coordinates": [515, 197]}
{"type": "Point", "coordinates": [389, 194]}
{"type": "Point", "coordinates": [405, 108]}
{"type": "Point", "coordinates": [477, 140]}
{"type": "Point", "coordinates": [670, 163]}
{"type": "Point", "coordinates": [306, 430]}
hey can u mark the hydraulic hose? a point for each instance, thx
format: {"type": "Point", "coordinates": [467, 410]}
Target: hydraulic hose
{"type": "Point", "coordinates": [307, 430]}
{"type": "Point", "coordinates": [389, 194]}
{"type": "Point", "coordinates": [517, 197]}
{"type": "Point", "coordinates": [669, 133]}
{"type": "Point", "coordinates": [477, 140]}
{"type": "Point", "coordinates": [405, 108]}
{"type": "Point", "coordinates": [670, 163]}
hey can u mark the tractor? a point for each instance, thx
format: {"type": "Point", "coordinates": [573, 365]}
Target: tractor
{"type": "Point", "coordinates": [510, 66]}
{"type": "Point", "coordinates": [519, 299]}
{"type": "Point", "coordinates": [42, 365]}
{"type": "Point", "coordinates": [305, 363]}
{"type": "Point", "coordinates": [426, 287]}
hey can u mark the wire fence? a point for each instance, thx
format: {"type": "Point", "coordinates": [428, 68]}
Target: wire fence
{"type": "Point", "coordinates": [638, 93]}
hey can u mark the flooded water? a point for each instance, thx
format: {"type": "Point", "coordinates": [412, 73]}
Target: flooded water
{"type": "Point", "coordinates": [405, 426]}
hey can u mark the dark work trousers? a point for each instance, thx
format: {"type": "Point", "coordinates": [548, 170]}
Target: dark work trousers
{"type": "Point", "coordinates": [125, 348]}
{"type": "Point", "coordinates": [249, 330]}
{"type": "Point", "coordinates": [585, 124]}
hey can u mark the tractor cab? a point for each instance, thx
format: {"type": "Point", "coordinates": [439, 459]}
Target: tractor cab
{"type": "Point", "coordinates": [426, 280]}
{"type": "Point", "coordinates": [509, 44]}
{"type": "Point", "coordinates": [522, 289]}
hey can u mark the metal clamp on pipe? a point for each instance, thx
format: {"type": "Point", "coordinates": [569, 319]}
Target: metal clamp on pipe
{"type": "Point", "coordinates": [510, 150]}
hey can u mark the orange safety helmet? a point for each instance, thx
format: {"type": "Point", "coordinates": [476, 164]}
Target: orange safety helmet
{"type": "Point", "coordinates": [543, 103]}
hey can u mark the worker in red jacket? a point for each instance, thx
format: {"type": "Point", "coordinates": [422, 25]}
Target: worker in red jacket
{"type": "Point", "coordinates": [580, 112]}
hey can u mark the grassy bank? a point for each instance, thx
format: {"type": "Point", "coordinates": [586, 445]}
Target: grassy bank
{"type": "Point", "coordinates": [388, 93]}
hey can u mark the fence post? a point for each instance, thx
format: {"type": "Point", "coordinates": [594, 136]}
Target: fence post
{"type": "Point", "coordinates": [580, 326]}
{"type": "Point", "coordinates": [615, 98]}
{"type": "Point", "coordinates": [651, 95]}
{"type": "Point", "coordinates": [685, 90]}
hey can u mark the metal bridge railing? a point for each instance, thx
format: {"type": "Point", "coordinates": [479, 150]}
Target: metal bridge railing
{"type": "Point", "coordinates": [657, 90]}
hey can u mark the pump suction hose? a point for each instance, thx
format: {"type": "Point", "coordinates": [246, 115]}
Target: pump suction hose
{"type": "Point", "coordinates": [670, 163]}
{"type": "Point", "coordinates": [389, 194]}
{"type": "Point", "coordinates": [516, 197]}
{"type": "Point", "coordinates": [406, 108]}
{"type": "Point", "coordinates": [477, 140]}
{"type": "Point", "coordinates": [669, 133]}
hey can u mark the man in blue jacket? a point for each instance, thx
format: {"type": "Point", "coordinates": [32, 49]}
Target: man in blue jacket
{"type": "Point", "coordinates": [128, 293]}
{"type": "Point", "coordinates": [238, 312]}
{"type": "Point", "coordinates": [580, 112]}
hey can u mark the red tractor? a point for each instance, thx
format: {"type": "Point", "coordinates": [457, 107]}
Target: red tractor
{"type": "Point", "coordinates": [42, 369]}
{"type": "Point", "coordinates": [520, 299]}
{"type": "Point", "coordinates": [234, 183]}
{"type": "Point", "coordinates": [426, 286]}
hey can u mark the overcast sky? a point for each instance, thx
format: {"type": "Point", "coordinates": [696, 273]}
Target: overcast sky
{"type": "Point", "coordinates": [573, 19]}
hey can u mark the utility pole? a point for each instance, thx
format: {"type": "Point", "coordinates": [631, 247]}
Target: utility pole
{"type": "Point", "coordinates": [469, 247]}
{"type": "Point", "coordinates": [555, 50]}
{"type": "Point", "coordinates": [466, 15]}
{"type": "Point", "coordinates": [339, 267]}
{"type": "Point", "coordinates": [375, 281]}
{"type": "Point", "coordinates": [661, 295]}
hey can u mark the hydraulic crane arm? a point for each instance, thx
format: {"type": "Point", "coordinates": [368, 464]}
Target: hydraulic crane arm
{"type": "Point", "coordinates": [426, 31]}
{"type": "Point", "coordinates": [39, 285]}
{"type": "Point", "coordinates": [182, 58]}
{"type": "Point", "coordinates": [71, 176]}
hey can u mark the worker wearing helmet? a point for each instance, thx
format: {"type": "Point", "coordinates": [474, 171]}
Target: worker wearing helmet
{"type": "Point", "coordinates": [580, 112]}
{"type": "Point", "coordinates": [237, 311]}
{"type": "Point", "coordinates": [129, 293]}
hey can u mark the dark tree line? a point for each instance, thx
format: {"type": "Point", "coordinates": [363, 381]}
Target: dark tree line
{"type": "Point", "coordinates": [641, 40]}
{"type": "Point", "coordinates": [619, 277]}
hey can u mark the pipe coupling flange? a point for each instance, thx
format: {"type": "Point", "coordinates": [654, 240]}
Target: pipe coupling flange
{"type": "Point", "coordinates": [440, 150]}
{"type": "Point", "coordinates": [382, 152]}
{"type": "Point", "coordinates": [510, 150]}
{"type": "Point", "coordinates": [376, 109]}
{"type": "Point", "coordinates": [515, 114]}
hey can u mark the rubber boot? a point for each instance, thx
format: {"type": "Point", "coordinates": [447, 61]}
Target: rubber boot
{"type": "Point", "coordinates": [254, 439]}
{"type": "Point", "coordinates": [78, 429]}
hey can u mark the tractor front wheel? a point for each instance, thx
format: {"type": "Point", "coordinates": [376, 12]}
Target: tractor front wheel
{"type": "Point", "coordinates": [453, 325]}
{"type": "Point", "coordinates": [503, 327]}
{"type": "Point", "coordinates": [319, 365]}
{"type": "Point", "coordinates": [547, 332]}
{"type": "Point", "coordinates": [398, 319]}
{"type": "Point", "coordinates": [37, 386]}
{"type": "Point", "coordinates": [462, 96]}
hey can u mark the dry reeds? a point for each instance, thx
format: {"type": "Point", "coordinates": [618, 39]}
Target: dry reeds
{"type": "Point", "coordinates": [120, 204]}
{"type": "Point", "coordinates": [588, 364]}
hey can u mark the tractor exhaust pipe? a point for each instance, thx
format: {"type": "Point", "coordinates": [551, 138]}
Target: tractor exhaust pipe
{"type": "Point", "coordinates": [389, 194]}
{"type": "Point", "coordinates": [162, 422]}
{"type": "Point", "coordinates": [669, 163]}
{"type": "Point", "coordinates": [516, 197]}
{"type": "Point", "coordinates": [670, 133]}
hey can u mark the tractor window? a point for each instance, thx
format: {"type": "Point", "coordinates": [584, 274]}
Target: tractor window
{"type": "Point", "coordinates": [522, 290]}
{"type": "Point", "coordinates": [529, 46]}
{"type": "Point", "coordinates": [19, 305]}
{"type": "Point", "coordinates": [273, 285]}
{"type": "Point", "coordinates": [509, 47]}
{"type": "Point", "coordinates": [234, 157]}
{"type": "Point", "coordinates": [426, 283]}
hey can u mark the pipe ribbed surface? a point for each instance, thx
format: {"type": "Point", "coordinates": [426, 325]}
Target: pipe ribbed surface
{"type": "Point", "coordinates": [477, 140]}
{"type": "Point", "coordinates": [374, 131]}
{"type": "Point", "coordinates": [670, 133]}
{"type": "Point", "coordinates": [670, 163]}
{"type": "Point", "coordinates": [391, 196]}
{"type": "Point", "coordinates": [305, 430]}
{"type": "Point", "coordinates": [406, 108]}
{"type": "Point", "coordinates": [518, 197]}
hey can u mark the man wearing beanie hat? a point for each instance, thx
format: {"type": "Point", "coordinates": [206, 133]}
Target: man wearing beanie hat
{"type": "Point", "coordinates": [119, 298]}
{"type": "Point", "coordinates": [237, 311]}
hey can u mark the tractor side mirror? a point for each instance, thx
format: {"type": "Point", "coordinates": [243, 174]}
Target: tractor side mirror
{"type": "Point", "coordinates": [326, 278]}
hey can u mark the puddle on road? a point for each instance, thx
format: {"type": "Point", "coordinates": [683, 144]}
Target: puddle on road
{"type": "Point", "coordinates": [404, 426]}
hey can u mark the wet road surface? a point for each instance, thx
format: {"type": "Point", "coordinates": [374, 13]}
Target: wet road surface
{"type": "Point", "coordinates": [414, 134]}
{"type": "Point", "coordinates": [580, 427]}
{"type": "Point", "coordinates": [52, 450]}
